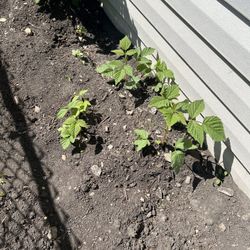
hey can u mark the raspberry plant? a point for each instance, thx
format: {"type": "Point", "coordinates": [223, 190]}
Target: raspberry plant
{"type": "Point", "coordinates": [174, 111]}
{"type": "Point", "coordinates": [120, 70]}
{"type": "Point", "coordinates": [76, 109]}
{"type": "Point", "coordinates": [142, 141]}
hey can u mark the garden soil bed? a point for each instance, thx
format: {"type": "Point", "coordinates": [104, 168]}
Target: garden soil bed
{"type": "Point", "coordinates": [54, 199]}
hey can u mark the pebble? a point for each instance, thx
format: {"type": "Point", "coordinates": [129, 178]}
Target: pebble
{"type": "Point", "coordinates": [96, 170]}
{"type": "Point", "coordinates": [222, 227]}
{"type": "Point", "coordinates": [64, 157]}
{"type": "Point", "coordinates": [246, 217]}
{"type": "Point", "coordinates": [188, 180]}
{"type": "Point", "coordinates": [124, 127]}
{"type": "Point", "coordinates": [32, 215]}
{"type": "Point", "coordinates": [110, 146]}
{"type": "Point", "coordinates": [3, 19]}
{"type": "Point", "coordinates": [167, 157]}
{"type": "Point", "coordinates": [37, 109]}
{"type": "Point", "coordinates": [178, 184]}
{"type": "Point", "coordinates": [52, 234]}
{"type": "Point", "coordinates": [28, 31]}
{"type": "Point", "coordinates": [106, 129]}
{"type": "Point", "coordinates": [153, 110]}
{"type": "Point", "coordinates": [227, 191]}
{"type": "Point", "coordinates": [129, 112]}
{"type": "Point", "coordinates": [121, 96]}
{"type": "Point", "coordinates": [16, 99]}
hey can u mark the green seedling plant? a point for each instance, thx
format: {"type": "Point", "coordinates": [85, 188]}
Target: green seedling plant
{"type": "Point", "coordinates": [120, 70]}
{"type": "Point", "coordinates": [186, 113]}
{"type": "Point", "coordinates": [76, 109]}
{"type": "Point", "coordinates": [78, 54]}
{"type": "Point", "coordinates": [142, 139]}
{"type": "Point", "coordinates": [80, 30]}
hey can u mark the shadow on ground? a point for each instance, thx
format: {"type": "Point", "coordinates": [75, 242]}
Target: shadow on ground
{"type": "Point", "coordinates": [29, 215]}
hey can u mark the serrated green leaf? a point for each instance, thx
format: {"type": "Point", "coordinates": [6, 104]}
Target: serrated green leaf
{"type": "Point", "coordinates": [65, 143]}
{"type": "Point", "coordinates": [171, 92]}
{"type": "Point", "coordinates": [177, 160]}
{"type": "Point", "coordinates": [185, 144]}
{"type": "Point", "coordinates": [118, 52]}
{"type": "Point", "coordinates": [119, 75]}
{"type": "Point", "coordinates": [128, 69]}
{"type": "Point", "coordinates": [82, 123]}
{"type": "Point", "coordinates": [131, 52]}
{"type": "Point", "coordinates": [141, 134]}
{"type": "Point", "coordinates": [183, 106]}
{"type": "Point", "coordinates": [157, 87]}
{"type": "Point", "coordinates": [158, 102]}
{"type": "Point", "coordinates": [147, 52]}
{"type": "Point", "coordinates": [70, 120]}
{"type": "Point", "coordinates": [196, 131]}
{"type": "Point", "coordinates": [195, 108]}
{"type": "Point", "coordinates": [62, 112]}
{"type": "Point", "coordinates": [125, 43]}
{"type": "Point", "coordinates": [77, 129]}
{"type": "Point", "coordinates": [169, 74]}
{"type": "Point", "coordinates": [141, 144]}
{"type": "Point", "coordinates": [213, 126]}
{"type": "Point", "coordinates": [102, 68]}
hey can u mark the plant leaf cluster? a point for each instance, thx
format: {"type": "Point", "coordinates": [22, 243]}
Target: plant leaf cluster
{"type": "Point", "coordinates": [74, 123]}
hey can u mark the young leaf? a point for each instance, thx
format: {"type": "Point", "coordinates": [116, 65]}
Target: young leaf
{"type": "Point", "coordinates": [185, 144]}
{"type": "Point", "coordinates": [196, 131]}
{"type": "Point", "coordinates": [82, 123]}
{"type": "Point", "coordinates": [65, 142]}
{"type": "Point", "coordinates": [213, 126]}
{"type": "Point", "coordinates": [125, 43]}
{"type": "Point", "coordinates": [169, 74]}
{"type": "Point", "coordinates": [147, 52]}
{"type": "Point", "coordinates": [195, 108]}
{"type": "Point", "coordinates": [158, 102]}
{"type": "Point", "coordinates": [118, 52]}
{"type": "Point", "coordinates": [128, 69]}
{"type": "Point", "coordinates": [141, 134]}
{"type": "Point", "coordinates": [103, 68]}
{"type": "Point", "coordinates": [177, 160]}
{"type": "Point", "coordinates": [119, 75]}
{"type": "Point", "coordinates": [62, 112]}
{"type": "Point", "coordinates": [171, 92]}
{"type": "Point", "coordinates": [131, 52]}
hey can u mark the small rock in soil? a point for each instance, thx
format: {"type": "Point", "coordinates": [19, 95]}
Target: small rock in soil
{"type": "Point", "coordinates": [2, 19]}
{"type": "Point", "coordinates": [52, 234]}
{"type": "Point", "coordinates": [178, 184]}
{"type": "Point", "coordinates": [32, 215]}
{"type": "Point", "coordinates": [153, 110]}
{"type": "Point", "coordinates": [110, 146]}
{"type": "Point", "coordinates": [129, 112]}
{"type": "Point", "coordinates": [246, 217]}
{"type": "Point", "coordinates": [167, 157]}
{"type": "Point", "coordinates": [106, 129]}
{"type": "Point", "coordinates": [96, 170]}
{"type": "Point", "coordinates": [28, 31]}
{"type": "Point", "coordinates": [64, 157]}
{"type": "Point", "coordinates": [37, 109]}
{"type": "Point", "coordinates": [227, 191]}
{"type": "Point", "coordinates": [188, 180]}
{"type": "Point", "coordinates": [222, 227]}
{"type": "Point", "coordinates": [16, 99]}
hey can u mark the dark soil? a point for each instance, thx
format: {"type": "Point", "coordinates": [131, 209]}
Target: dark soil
{"type": "Point", "coordinates": [53, 200]}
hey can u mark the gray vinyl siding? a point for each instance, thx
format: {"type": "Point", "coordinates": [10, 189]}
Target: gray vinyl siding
{"type": "Point", "coordinates": [207, 44]}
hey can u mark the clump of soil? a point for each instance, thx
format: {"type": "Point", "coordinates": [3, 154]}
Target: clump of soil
{"type": "Point", "coordinates": [107, 196]}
